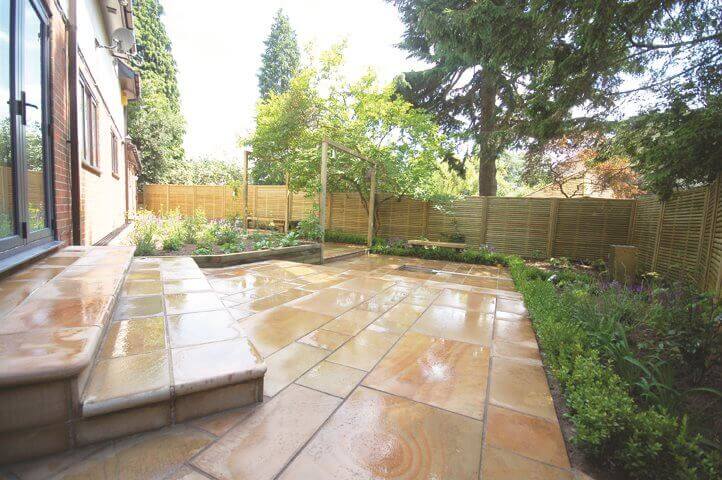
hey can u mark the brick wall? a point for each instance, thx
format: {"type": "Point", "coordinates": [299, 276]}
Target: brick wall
{"type": "Point", "coordinates": [60, 127]}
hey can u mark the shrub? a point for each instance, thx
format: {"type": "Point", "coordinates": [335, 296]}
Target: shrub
{"type": "Point", "coordinates": [194, 225]}
{"type": "Point", "coordinates": [225, 233]}
{"type": "Point", "coordinates": [310, 227]}
{"type": "Point", "coordinates": [343, 237]}
{"type": "Point", "coordinates": [617, 391]}
{"type": "Point", "coordinates": [475, 256]}
{"type": "Point", "coordinates": [145, 232]}
{"type": "Point", "coordinates": [173, 231]}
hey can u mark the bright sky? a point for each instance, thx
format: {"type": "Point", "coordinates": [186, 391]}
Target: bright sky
{"type": "Point", "coordinates": [218, 45]}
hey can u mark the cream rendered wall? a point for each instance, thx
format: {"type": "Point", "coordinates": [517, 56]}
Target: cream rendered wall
{"type": "Point", "coordinates": [102, 193]}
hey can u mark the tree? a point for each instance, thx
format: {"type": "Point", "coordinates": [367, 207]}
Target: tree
{"type": "Point", "coordinates": [404, 141]}
{"type": "Point", "coordinates": [525, 72]}
{"type": "Point", "coordinates": [280, 59]}
{"type": "Point", "coordinates": [573, 167]}
{"type": "Point", "coordinates": [155, 121]}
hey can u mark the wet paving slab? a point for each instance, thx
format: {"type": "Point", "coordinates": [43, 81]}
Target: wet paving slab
{"type": "Point", "coordinates": [373, 371]}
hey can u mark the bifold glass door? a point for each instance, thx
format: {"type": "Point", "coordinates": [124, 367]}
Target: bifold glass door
{"type": "Point", "coordinates": [25, 188]}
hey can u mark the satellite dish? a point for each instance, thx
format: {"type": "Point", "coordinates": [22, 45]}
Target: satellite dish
{"type": "Point", "coordinates": [123, 39]}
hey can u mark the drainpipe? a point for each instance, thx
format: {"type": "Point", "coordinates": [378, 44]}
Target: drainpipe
{"type": "Point", "coordinates": [73, 120]}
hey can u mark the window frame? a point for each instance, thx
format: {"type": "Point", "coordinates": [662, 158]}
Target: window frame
{"type": "Point", "coordinates": [89, 127]}
{"type": "Point", "coordinates": [115, 166]}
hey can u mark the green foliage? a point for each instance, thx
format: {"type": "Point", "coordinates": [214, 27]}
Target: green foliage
{"type": "Point", "coordinates": [225, 233]}
{"type": "Point", "coordinates": [194, 226]}
{"type": "Point", "coordinates": [620, 367]}
{"type": "Point", "coordinates": [404, 142]}
{"type": "Point", "coordinates": [280, 59]}
{"type": "Point", "coordinates": [173, 231]}
{"type": "Point", "coordinates": [205, 171]}
{"type": "Point", "coordinates": [510, 73]}
{"type": "Point", "coordinates": [673, 147]}
{"type": "Point", "coordinates": [155, 121]}
{"type": "Point", "coordinates": [338, 236]}
{"type": "Point", "coordinates": [145, 233]}
{"type": "Point", "coordinates": [474, 256]}
{"type": "Point", "coordinates": [310, 227]}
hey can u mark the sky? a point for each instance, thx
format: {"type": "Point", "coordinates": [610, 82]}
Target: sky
{"type": "Point", "coordinates": [218, 44]}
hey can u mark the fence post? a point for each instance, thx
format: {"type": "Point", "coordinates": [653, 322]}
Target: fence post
{"type": "Point", "coordinates": [552, 228]}
{"type": "Point", "coordinates": [425, 220]}
{"type": "Point", "coordinates": [632, 223]}
{"type": "Point", "coordinates": [324, 174]}
{"type": "Point", "coordinates": [714, 198]}
{"type": "Point", "coordinates": [246, 154]}
{"type": "Point", "coordinates": [372, 206]}
{"type": "Point", "coordinates": [484, 219]}
{"type": "Point", "coordinates": [658, 238]}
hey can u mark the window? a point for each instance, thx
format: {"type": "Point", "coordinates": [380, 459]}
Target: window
{"type": "Point", "coordinates": [114, 151]}
{"type": "Point", "coordinates": [88, 129]}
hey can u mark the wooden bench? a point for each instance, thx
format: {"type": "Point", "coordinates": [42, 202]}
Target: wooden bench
{"type": "Point", "coordinates": [428, 243]}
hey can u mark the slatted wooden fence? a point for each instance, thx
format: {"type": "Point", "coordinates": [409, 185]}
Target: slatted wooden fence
{"type": "Point", "coordinates": [680, 238]}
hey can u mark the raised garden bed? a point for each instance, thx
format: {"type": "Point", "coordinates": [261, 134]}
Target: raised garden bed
{"type": "Point", "coordinates": [218, 243]}
{"type": "Point", "coordinates": [308, 253]}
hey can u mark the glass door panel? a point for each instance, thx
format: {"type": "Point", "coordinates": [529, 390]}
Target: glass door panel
{"type": "Point", "coordinates": [32, 92]}
{"type": "Point", "coordinates": [8, 187]}
{"type": "Point", "coordinates": [25, 192]}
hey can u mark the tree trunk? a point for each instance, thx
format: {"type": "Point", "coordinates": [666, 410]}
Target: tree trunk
{"type": "Point", "coordinates": [487, 176]}
{"type": "Point", "coordinates": [487, 148]}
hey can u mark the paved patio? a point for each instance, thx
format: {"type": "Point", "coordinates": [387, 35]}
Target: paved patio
{"type": "Point", "coordinates": [378, 367]}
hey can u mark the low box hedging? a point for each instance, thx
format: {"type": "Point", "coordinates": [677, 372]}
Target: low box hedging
{"type": "Point", "coordinates": [474, 256]}
{"type": "Point", "coordinates": [635, 435]}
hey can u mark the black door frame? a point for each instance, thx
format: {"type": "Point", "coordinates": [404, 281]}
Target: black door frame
{"type": "Point", "coordinates": [24, 238]}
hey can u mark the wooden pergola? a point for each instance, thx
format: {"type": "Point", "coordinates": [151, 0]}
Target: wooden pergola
{"type": "Point", "coordinates": [325, 144]}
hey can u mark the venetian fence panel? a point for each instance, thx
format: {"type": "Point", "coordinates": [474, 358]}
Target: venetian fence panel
{"type": "Point", "coordinates": [518, 225]}
{"type": "Point", "coordinates": [681, 238]}
{"type": "Point", "coordinates": [586, 227]}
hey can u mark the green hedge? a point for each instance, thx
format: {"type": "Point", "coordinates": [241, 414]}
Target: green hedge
{"type": "Point", "coordinates": [474, 256]}
{"type": "Point", "coordinates": [644, 442]}
{"type": "Point", "coordinates": [343, 237]}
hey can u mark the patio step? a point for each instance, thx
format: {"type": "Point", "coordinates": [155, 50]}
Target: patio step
{"type": "Point", "coordinates": [52, 317]}
{"type": "Point", "coordinates": [166, 351]}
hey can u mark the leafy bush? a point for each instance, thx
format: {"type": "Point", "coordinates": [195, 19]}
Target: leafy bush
{"type": "Point", "coordinates": [310, 227]}
{"type": "Point", "coordinates": [203, 251]}
{"type": "Point", "coordinates": [289, 240]}
{"type": "Point", "coordinates": [226, 233]}
{"type": "Point", "coordinates": [145, 232]}
{"type": "Point", "coordinates": [173, 231]}
{"type": "Point", "coordinates": [194, 226]}
{"type": "Point", "coordinates": [610, 349]}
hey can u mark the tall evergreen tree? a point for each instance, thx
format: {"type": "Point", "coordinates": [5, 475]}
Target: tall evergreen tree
{"type": "Point", "coordinates": [155, 122]}
{"type": "Point", "coordinates": [515, 72]}
{"type": "Point", "coordinates": [280, 59]}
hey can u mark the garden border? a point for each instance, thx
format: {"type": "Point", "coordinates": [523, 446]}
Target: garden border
{"type": "Point", "coordinates": [308, 253]}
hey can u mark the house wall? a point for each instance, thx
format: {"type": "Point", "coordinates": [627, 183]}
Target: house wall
{"type": "Point", "coordinates": [60, 131]}
{"type": "Point", "coordinates": [103, 195]}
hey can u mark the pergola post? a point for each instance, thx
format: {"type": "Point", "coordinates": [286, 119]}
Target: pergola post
{"type": "Point", "coordinates": [246, 154]}
{"type": "Point", "coordinates": [324, 175]}
{"type": "Point", "coordinates": [372, 205]}
{"type": "Point", "coordinates": [287, 221]}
